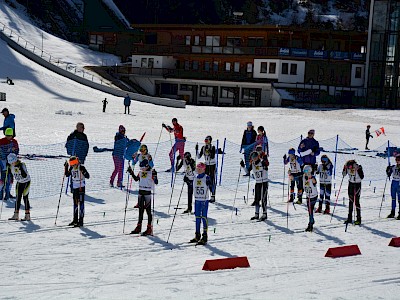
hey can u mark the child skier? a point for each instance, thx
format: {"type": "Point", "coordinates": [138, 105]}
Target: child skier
{"type": "Point", "coordinates": [144, 154]}
{"type": "Point", "coordinates": [262, 139]}
{"type": "Point", "coordinates": [21, 175]}
{"type": "Point", "coordinates": [78, 174]}
{"type": "Point", "coordinates": [202, 183]}
{"type": "Point", "coordinates": [259, 165]}
{"type": "Point", "coordinates": [189, 166]}
{"type": "Point", "coordinates": [311, 192]}
{"type": "Point", "coordinates": [395, 186]}
{"type": "Point", "coordinates": [147, 178]}
{"type": "Point", "coordinates": [208, 150]}
{"type": "Point", "coordinates": [356, 175]}
{"type": "Point", "coordinates": [295, 174]}
{"type": "Point", "coordinates": [325, 184]}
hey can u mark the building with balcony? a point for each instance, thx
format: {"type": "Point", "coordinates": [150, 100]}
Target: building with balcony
{"type": "Point", "coordinates": [248, 65]}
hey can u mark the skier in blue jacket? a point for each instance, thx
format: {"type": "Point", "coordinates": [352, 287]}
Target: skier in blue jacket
{"type": "Point", "coordinates": [8, 121]}
{"type": "Point", "coordinates": [127, 103]}
{"type": "Point", "coordinates": [309, 150]}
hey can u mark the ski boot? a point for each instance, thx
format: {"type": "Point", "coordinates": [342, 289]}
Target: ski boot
{"type": "Point", "coordinates": [15, 216]}
{"type": "Point", "coordinates": [291, 199]}
{"type": "Point", "coordinates": [255, 217]}
{"type": "Point", "coordinates": [263, 217]}
{"type": "Point", "coordinates": [327, 210]}
{"type": "Point", "coordinates": [137, 205]}
{"type": "Point", "coordinates": [391, 215]}
{"type": "Point", "coordinates": [212, 199]}
{"type": "Point", "coordinates": [196, 238]}
{"type": "Point", "coordinates": [309, 227]}
{"type": "Point", "coordinates": [138, 229]}
{"type": "Point", "coordinates": [188, 210]}
{"type": "Point", "coordinates": [27, 217]}
{"type": "Point", "coordinates": [73, 223]}
{"type": "Point", "coordinates": [299, 201]}
{"type": "Point", "coordinates": [398, 217]}
{"type": "Point", "coordinates": [319, 209]}
{"type": "Point", "coordinates": [203, 239]}
{"type": "Point", "coordinates": [358, 221]}
{"type": "Point", "coordinates": [149, 230]}
{"type": "Point", "coordinates": [348, 221]}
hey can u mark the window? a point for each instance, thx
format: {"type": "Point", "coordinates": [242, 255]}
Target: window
{"type": "Point", "coordinates": [272, 68]}
{"type": "Point", "coordinates": [206, 91]}
{"type": "Point", "coordinates": [293, 69]}
{"type": "Point", "coordinates": [144, 62]}
{"type": "Point", "coordinates": [197, 40]}
{"type": "Point", "coordinates": [228, 92]}
{"type": "Point", "coordinates": [187, 65]}
{"type": "Point", "coordinates": [151, 63]}
{"type": "Point", "coordinates": [358, 72]}
{"type": "Point", "coordinates": [249, 94]}
{"type": "Point", "coordinates": [233, 42]}
{"type": "Point", "coordinates": [212, 40]}
{"type": "Point", "coordinates": [96, 39]}
{"type": "Point", "coordinates": [186, 87]}
{"type": "Point", "coordinates": [215, 66]}
{"type": "Point", "coordinates": [285, 68]}
{"type": "Point", "coordinates": [264, 66]}
{"type": "Point", "coordinates": [195, 65]}
{"type": "Point", "coordinates": [363, 49]}
{"type": "Point", "coordinates": [255, 41]}
{"type": "Point", "coordinates": [249, 68]}
{"type": "Point", "coordinates": [236, 67]}
{"type": "Point", "coordinates": [187, 40]}
{"type": "Point", "coordinates": [206, 66]}
{"type": "Point", "coordinates": [228, 66]}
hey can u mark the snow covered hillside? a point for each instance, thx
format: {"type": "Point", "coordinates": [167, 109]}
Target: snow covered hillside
{"type": "Point", "coordinates": [41, 260]}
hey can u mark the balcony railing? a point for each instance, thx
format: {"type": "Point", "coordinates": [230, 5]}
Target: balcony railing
{"type": "Point", "coordinates": [252, 51]}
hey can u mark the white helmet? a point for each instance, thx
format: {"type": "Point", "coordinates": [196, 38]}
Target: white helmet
{"type": "Point", "coordinates": [307, 169]}
{"type": "Point", "coordinates": [12, 158]}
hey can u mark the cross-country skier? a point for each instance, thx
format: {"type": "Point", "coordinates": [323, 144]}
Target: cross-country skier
{"type": "Point", "coordinates": [325, 170]}
{"type": "Point", "coordinates": [188, 164]}
{"type": "Point", "coordinates": [262, 139]}
{"type": "Point", "coordinates": [259, 165]}
{"type": "Point", "coordinates": [21, 175]}
{"type": "Point", "coordinates": [180, 140]}
{"type": "Point", "coordinates": [311, 193]}
{"type": "Point", "coordinates": [395, 186]}
{"type": "Point", "coordinates": [78, 175]}
{"type": "Point", "coordinates": [356, 175]}
{"type": "Point", "coordinates": [147, 178]}
{"type": "Point", "coordinates": [202, 183]}
{"type": "Point", "coordinates": [295, 174]}
{"type": "Point", "coordinates": [309, 150]}
{"type": "Point", "coordinates": [209, 152]}
{"type": "Point", "coordinates": [248, 140]}
{"type": "Point", "coordinates": [7, 145]}
{"type": "Point", "coordinates": [368, 135]}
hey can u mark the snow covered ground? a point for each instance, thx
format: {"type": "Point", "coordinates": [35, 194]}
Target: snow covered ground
{"type": "Point", "coordinates": [42, 261]}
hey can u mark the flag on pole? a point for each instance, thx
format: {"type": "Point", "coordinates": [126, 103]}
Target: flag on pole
{"type": "Point", "coordinates": [380, 131]}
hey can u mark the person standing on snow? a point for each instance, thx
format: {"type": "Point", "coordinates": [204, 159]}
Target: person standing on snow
{"type": "Point", "coordinates": [325, 171]}
{"type": "Point", "coordinates": [309, 150]}
{"type": "Point", "coordinates": [262, 140]}
{"type": "Point", "coordinates": [356, 175]}
{"type": "Point", "coordinates": [105, 102]}
{"type": "Point", "coordinates": [7, 145]}
{"type": "Point", "coordinates": [368, 135]}
{"type": "Point", "coordinates": [311, 193]}
{"type": "Point", "coordinates": [395, 186]}
{"type": "Point", "coordinates": [179, 141]}
{"type": "Point", "coordinates": [127, 103]}
{"type": "Point", "coordinates": [248, 139]}
{"type": "Point", "coordinates": [189, 166]}
{"type": "Point", "coordinates": [208, 151]}
{"type": "Point", "coordinates": [120, 141]}
{"type": "Point", "coordinates": [8, 121]}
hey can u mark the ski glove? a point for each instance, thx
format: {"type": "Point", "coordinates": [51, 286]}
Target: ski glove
{"type": "Point", "coordinates": [242, 163]}
{"type": "Point", "coordinates": [129, 170]}
{"type": "Point", "coordinates": [389, 171]}
{"type": "Point", "coordinates": [284, 157]}
{"type": "Point", "coordinates": [197, 147]}
{"type": "Point", "coordinates": [163, 125]}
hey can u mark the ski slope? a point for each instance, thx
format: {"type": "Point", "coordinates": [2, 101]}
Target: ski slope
{"type": "Point", "coordinates": [42, 261]}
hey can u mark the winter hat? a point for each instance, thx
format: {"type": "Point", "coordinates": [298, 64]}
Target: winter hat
{"type": "Point", "coordinates": [12, 158]}
{"type": "Point", "coordinates": [73, 161]}
{"type": "Point", "coordinates": [5, 109]}
{"type": "Point", "coordinates": [9, 131]}
{"type": "Point", "coordinates": [121, 128]}
{"type": "Point", "coordinates": [201, 166]}
{"type": "Point", "coordinates": [249, 123]}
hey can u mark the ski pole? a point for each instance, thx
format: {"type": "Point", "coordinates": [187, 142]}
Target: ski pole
{"type": "Point", "coordinates": [128, 185]}
{"type": "Point", "coordinates": [248, 188]}
{"type": "Point", "coordinates": [284, 176]}
{"type": "Point", "coordinates": [172, 192]}
{"type": "Point", "coordinates": [237, 186]}
{"type": "Point", "coordinates": [288, 199]}
{"type": "Point", "coordinates": [176, 209]}
{"type": "Point", "coordinates": [5, 187]}
{"type": "Point", "coordinates": [383, 195]}
{"type": "Point", "coordinates": [158, 142]}
{"type": "Point", "coordinates": [337, 197]}
{"type": "Point", "coordinates": [59, 199]}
